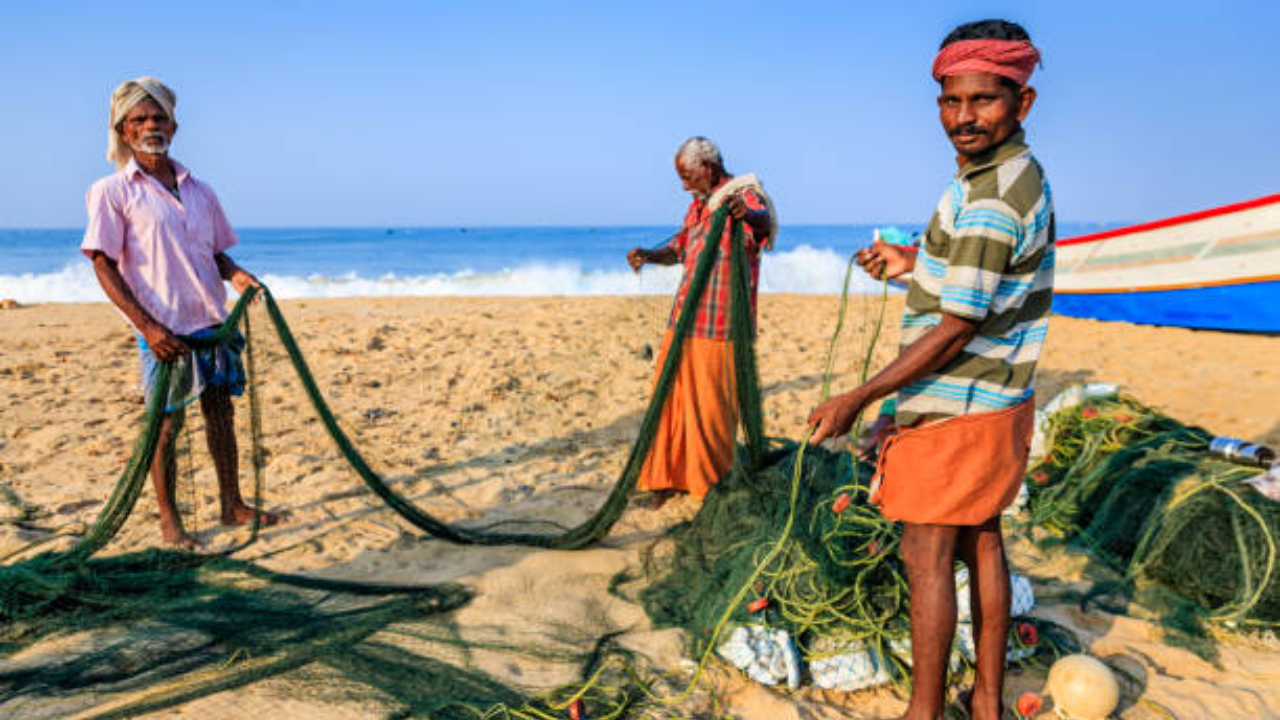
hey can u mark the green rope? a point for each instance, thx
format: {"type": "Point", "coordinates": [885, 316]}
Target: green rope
{"type": "Point", "coordinates": [597, 526]}
{"type": "Point", "coordinates": [124, 497]}
{"type": "Point", "coordinates": [1139, 490]}
{"type": "Point", "coordinates": [742, 333]}
{"type": "Point", "coordinates": [129, 487]}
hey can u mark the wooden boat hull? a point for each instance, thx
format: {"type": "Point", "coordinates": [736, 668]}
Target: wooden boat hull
{"type": "Point", "coordinates": [1217, 269]}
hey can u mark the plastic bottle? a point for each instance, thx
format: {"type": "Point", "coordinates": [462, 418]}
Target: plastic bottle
{"type": "Point", "coordinates": [1239, 451]}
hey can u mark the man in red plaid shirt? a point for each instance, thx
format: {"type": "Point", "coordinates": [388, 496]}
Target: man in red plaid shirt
{"type": "Point", "coordinates": [695, 441]}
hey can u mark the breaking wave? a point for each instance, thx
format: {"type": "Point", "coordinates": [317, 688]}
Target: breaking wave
{"type": "Point", "coordinates": [804, 269]}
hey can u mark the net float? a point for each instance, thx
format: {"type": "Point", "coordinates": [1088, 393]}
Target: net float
{"type": "Point", "coordinates": [840, 503]}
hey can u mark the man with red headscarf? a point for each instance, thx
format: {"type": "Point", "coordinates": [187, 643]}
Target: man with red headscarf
{"type": "Point", "coordinates": [975, 322]}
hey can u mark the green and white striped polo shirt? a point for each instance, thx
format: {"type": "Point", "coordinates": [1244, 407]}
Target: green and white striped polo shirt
{"type": "Point", "coordinates": [987, 256]}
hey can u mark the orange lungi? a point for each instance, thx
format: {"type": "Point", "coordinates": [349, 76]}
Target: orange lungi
{"type": "Point", "coordinates": [960, 471]}
{"type": "Point", "coordinates": [694, 444]}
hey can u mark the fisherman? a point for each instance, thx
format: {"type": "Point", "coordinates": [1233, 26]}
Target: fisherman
{"type": "Point", "coordinates": [972, 331]}
{"type": "Point", "coordinates": [694, 445]}
{"type": "Point", "coordinates": [158, 238]}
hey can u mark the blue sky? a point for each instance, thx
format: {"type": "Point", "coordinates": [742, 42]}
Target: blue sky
{"type": "Point", "coordinates": [480, 112]}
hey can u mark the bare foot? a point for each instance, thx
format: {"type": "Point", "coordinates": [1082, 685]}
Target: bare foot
{"type": "Point", "coordinates": [241, 514]}
{"type": "Point", "coordinates": [964, 703]}
{"type": "Point", "coordinates": [178, 538]}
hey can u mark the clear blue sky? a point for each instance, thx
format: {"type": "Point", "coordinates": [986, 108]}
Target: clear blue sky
{"type": "Point", "coordinates": [474, 112]}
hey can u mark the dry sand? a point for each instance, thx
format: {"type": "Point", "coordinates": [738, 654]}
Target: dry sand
{"type": "Point", "coordinates": [485, 409]}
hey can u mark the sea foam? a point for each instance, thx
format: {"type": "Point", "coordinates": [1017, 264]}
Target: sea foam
{"type": "Point", "coordinates": [803, 269]}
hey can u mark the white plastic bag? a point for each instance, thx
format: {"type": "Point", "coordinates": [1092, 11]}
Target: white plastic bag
{"type": "Point", "coordinates": [766, 655]}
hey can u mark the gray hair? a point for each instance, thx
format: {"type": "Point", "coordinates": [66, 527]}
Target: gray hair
{"type": "Point", "coordinates": [700, 151]}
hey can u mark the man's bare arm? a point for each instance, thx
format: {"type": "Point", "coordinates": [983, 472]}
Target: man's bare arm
{"type": "Point", "coordinates": [639, 257]}
{"type": "Point", "coordinates": [661, 256]}
{"type": "Point", "coordinates": [756, 218]}
{"type": "Point", "coordinates": [226, 266]}
{"type": "Point", "coordinates": [882, 259]}
{"type": "Point", "coordinates": [937, 347]}
{"type": "Point", "coordinates": [162, 342]}
{"type": "Point", "coordinates": [239, 278]}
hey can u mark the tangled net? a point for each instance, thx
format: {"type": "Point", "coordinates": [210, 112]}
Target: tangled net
{"type": "Point", "coordinates": [1141, 491]}
{"type": "Point", "coordinates": [836, 576]}
{"type": "Point", "coordinates": [836, 584]}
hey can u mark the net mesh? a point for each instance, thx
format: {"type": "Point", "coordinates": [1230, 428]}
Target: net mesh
{"type": "Point", "coordinates": [1140, 490]}
{"type": "Point", "coordinates": [837, 576]}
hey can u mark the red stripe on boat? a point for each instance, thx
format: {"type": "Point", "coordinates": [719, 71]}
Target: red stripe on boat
{"type": "Point", "coordinates": [1176, 220]}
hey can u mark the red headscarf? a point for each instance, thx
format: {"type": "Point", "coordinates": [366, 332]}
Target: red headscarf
{"type": "Point", "coordinates": [1014, 59]}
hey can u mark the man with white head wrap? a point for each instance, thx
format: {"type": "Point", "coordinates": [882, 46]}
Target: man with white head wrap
{"type": "Point", "coordinates": [126, 98]}
{"type": "Point", "coordinates": [158, 238]}
{"type": "Point", "coordinates": [694, 444]}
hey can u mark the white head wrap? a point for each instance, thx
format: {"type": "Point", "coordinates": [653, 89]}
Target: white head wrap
{"type": "Point", "coordinates": [129, 94]}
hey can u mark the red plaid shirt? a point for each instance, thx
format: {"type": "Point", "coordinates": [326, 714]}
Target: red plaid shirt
{"type": "Point", "coordinates": [713, 312]}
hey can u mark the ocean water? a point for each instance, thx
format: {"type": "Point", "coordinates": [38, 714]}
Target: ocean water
{"type": "Point", "coordinates": [45, 265]}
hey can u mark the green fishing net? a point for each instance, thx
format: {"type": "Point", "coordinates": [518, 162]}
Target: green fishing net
{"type": "Point", "coordinates": [837, 577]}
{"type": "Point", "coordinates": [1141, 491]}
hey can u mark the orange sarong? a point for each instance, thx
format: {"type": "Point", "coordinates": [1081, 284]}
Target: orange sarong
{"type": "Point", "coordinates": [694, 445]}
{"type": "Point", "coordinates": [960, 471]}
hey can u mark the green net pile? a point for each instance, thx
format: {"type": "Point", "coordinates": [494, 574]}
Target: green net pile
{"type": "Point", "coordinates": [836, 583]}
{"type": "Point", "coordinates": [1141, 491]}
{"type": "Point", "coordinates": [837, 576]}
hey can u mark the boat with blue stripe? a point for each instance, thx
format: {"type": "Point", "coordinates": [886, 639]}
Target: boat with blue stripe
{"type": "Point", "coordinates": [1216, 269]}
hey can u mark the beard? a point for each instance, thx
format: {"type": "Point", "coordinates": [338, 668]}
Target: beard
{"type": "Point", "coordinates": [152, 144]}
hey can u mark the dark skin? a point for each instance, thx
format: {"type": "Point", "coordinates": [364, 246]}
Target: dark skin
{"type": "Point", "coordinates": [978, 112]}
{"type": "Point", "coordinates": [215, 403]}
{"type": "Point", "coordinates": [148, 118]}
{"type": "Point", "coordinates": [701, 181]}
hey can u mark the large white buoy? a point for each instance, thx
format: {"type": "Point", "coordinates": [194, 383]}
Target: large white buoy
{"type": "Point", "coordinates": [1082, 688]}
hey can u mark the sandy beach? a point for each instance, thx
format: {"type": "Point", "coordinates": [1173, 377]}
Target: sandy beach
{"type": "Point", "coordinates": [491, 409]}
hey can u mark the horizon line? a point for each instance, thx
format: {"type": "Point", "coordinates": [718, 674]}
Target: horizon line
{"type": "Point", "coordinates": [517, 226]}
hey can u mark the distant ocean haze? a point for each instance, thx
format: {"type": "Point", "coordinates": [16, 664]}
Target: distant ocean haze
{"type": "Point", "coordinates": [45, 265]}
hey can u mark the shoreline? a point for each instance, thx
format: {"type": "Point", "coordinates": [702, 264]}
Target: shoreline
{"type": "Point", "coordinates": [1158, 365]}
